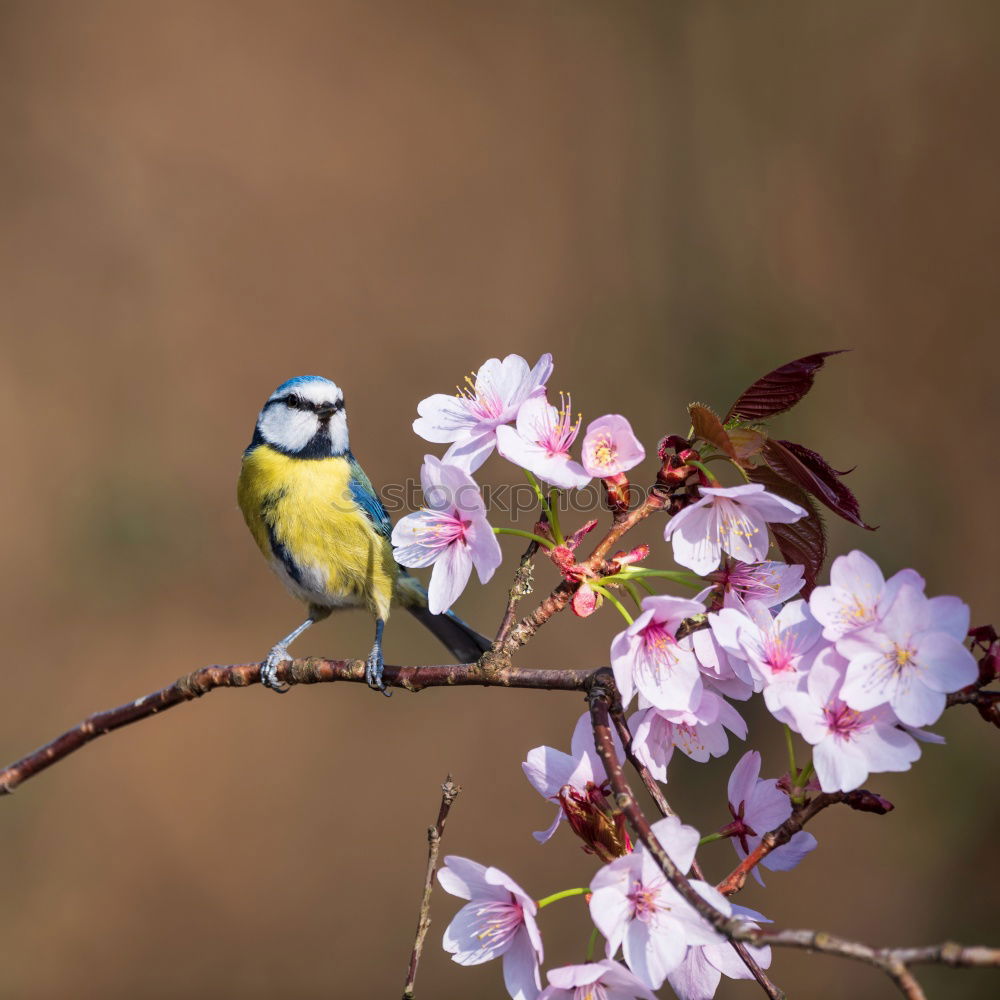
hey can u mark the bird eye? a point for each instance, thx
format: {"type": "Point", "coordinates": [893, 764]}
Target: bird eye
{"type": "Point", "coordinates": [295, 402]}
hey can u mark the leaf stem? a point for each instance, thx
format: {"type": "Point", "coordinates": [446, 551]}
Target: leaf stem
{"type": "Point", "coordinates": [565, 894]}
{"type": "Point", "coordinates": [604, 592]}
{"type": "Point", "coordinates": [704, 469]}
{"type": "Point", "coordinates": [525, 534]}
{"type": "Point", "coordinates": [553, 511]}
{"type": "Point", "coordinates": [793, 772]}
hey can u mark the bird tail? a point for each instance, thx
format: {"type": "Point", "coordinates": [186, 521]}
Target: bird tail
{"type": "Point", "coordinates": [462, 640]}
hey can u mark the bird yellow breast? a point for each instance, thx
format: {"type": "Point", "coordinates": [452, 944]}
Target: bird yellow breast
{"type": "Point", "coordinates": [302, 510]}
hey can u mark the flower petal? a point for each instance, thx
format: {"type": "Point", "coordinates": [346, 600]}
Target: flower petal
{"type": "Point", "coordinates": [449, 577]}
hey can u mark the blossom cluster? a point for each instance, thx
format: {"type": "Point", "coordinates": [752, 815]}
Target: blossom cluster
{"type": "Point", "coordinates": [856, 667]}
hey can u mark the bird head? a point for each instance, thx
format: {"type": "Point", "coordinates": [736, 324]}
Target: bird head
{"type": "Point", "coordinates": [304, 417]}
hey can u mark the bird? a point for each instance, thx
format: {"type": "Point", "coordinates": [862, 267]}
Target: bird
{"type": "Point", "coordinates": [322, 528]}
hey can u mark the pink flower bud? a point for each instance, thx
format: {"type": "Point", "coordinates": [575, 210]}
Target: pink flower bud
{"type": "Point", "coordinates": [586, 601]}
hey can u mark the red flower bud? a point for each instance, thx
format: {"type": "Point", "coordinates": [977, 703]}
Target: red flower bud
{"type": "Point", "coordinates": [595, 821]}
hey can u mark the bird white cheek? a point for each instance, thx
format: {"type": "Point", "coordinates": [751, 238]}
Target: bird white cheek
{"type": "Point", "coordinates": [339, 440]}
{"type": "Point", "coordinates": [288, 429]}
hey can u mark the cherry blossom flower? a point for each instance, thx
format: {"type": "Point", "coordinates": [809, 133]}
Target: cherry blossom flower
{"type": "Point", "coordinates": [649, 658]}
{"type": "Point", "coordinates": [699, 734]}
{"type": "Point", "coordinates": [497, 922]}
{"type": "Point", "coordinates": [576, 781]}
{"type": "Point", "coordinates": [637, 910]}
{"type": "Point", "coordinates": [912, 659]}
{"type": "Point", "coordinates": [542, 441]}
{"type": "Point", "coordinates": [848, 744]}
{"type": "Point", "coordinates": [724, 667]}
{"type": "Point", "coordinates": [605, 980]}
{"type": "Point", "coordinates": [757, 806]}
{"type": "Point", "coordinates": [610, 448]}
{"type": "Point", "coordinates": [768, 583]}
{"type": "Point", "coordinates": [858, 594]}
{"type": "Point", "coordinates": [779, 651]}
{"type": "Point", "coordinates": [733, 519]}
{"type": "Point", "coordinates": [699, 975]}
{"type": "Point", "coordinates": [469, 419]}
{"type": "Point", "coordinates": [451, 533]}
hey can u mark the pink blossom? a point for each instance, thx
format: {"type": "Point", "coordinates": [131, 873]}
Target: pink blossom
{"type": "Point", "coordinates": [699, 975]}
{"type": "Point", "coordinates": [724, 667]}
{"type": "Point", "coordinates": [605, 980]}
{"type": "Point", "coordinates": [637, 910]}
{"type": "Point", "coordinates": [542, 441]}
{"type": "Point", "coordinates": [732, 519]}
{"type": "Point", "coordinates": [778, 650]}
{"type": "Point", "coordinates": [451, 532]}
{"type": "Point", "coordinates": [848, 744]}
{"type": "Point", "coordinates": [610, 448]}
{"type": "Point", "coordinates": [758, 806]}
{"type": "Point", "coordinates": [649, 657]}
{"type": "Point", "coordinates": [469, 419]}
{"type": "Point", "coordinates": [769, 583]}
{"type": "Point", "coordinates": [699, 734]}
{"type": "Point", "coordinates": [858, 594]}
{"type": "Point", "coordinates": [498, 921]}
{"type": "Point", "coordinates": [912, 659]}
{"type": "Point", "coordinates": [551, 771]}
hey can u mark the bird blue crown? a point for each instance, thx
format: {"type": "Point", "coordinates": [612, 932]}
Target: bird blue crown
{"type": "Point", "coordinates": [301, 380]}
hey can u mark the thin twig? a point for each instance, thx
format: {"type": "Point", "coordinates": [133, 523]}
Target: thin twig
{"type": "Point", "coordinates": [652, 785]}
{"type": "Point", "coordinates": [519, 589]}
{"type": "Point", "coordinates": [595, 566]}
{"type": "Point", "coordinates": [987, 703]}
{"type": "Point", "coordinates": [449, 792]}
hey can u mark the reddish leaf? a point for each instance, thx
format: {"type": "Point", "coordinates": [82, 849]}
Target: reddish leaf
{"type": "Point", "coordinates": [709, 428]}
{"type": "Point", "coordinates": [779, 390]}
{"type": "Point", "coordinates": [815, 459]}
{"type": "Point", "coordinates": [811, 471]}
{"type": "Point", "coordinates": [804, 542]}
{"type": "Point", "coordinates": [746, 442]}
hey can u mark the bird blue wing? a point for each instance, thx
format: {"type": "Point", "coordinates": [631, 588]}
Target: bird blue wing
{"type": "Point", "coordinates": [367, 499]}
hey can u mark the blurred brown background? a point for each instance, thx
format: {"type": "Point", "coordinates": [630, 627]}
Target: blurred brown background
{"type": "Point", "coordinates": [199, 200]}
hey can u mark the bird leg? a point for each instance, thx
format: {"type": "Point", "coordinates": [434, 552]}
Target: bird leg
{"type": "Point", "coordinates": [269, 669]}
{"type": "Point", "coordinates": [375, 663]}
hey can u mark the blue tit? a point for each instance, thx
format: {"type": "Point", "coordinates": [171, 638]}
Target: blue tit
{"type": "Point", "coordinates": [313, 513]}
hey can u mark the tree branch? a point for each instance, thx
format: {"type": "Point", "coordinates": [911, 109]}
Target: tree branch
{"type": "Point", "coordinates": [892, 961]}
{"type": "Point", "coordinates": [602, 696]}
{"type": "Point", "coordinates": [449, 792]}
{"type": "Point", "coordinates": [653, 787]}
{"type": "Point", "coordinates": [859, 799]}
{"type": "Point", "coordinates": [309, 671]}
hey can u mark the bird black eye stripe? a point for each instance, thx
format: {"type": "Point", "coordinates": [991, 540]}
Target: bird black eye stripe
{"type": "Point", "coordinates": [295, 402]}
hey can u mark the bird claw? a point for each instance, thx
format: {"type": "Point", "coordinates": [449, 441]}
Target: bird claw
{"type": "Point", "coordinates": [269, 669]}
{"type": "Point", "coordinates": [373, 671]}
